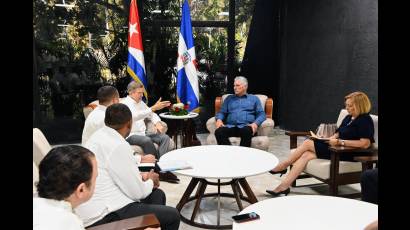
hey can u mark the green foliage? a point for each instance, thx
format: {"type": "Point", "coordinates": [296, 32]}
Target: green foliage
{"type": "Point", "coordinates": [107, 22]}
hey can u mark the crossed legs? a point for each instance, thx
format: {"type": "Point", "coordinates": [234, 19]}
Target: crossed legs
{"type": "Point", "coordinates": [147, 143]}
{"type": "Point", "coordinates": [299, 158]}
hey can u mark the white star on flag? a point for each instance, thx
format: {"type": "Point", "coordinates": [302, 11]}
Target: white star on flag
{"type": "Point", "coordinates": [133, 29]}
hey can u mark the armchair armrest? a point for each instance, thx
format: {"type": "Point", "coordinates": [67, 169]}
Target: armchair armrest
{"type": "Point", "coordinates": [367, 159]}
{"type": "Point", "coordinates": [151, 126]}
{"type": "Point", "coordinates": [266, 127]}
{"type": "Point", "coordinates": [293, 135]}
{"type": "Point", "coordinates": [135, 223]}
{"type": "Point", "coordinates": [211, 125]}
{"type": "Point", "coordinates": [218, 103]}
{"type": "Point", "coordinates": [297, 133]}
{"type": "Point", "coordinates": [337, 150]}
{"type": "Point", "coordinates": [348, 149]}
{"type": "Point", "coordinates": [269, 108]}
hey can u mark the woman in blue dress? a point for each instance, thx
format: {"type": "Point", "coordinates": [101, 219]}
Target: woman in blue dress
{"type": "Point", "coordinates": [356, 130]}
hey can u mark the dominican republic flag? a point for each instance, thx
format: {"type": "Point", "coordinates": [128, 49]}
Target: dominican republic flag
{"type": "Point", "coordinates": [136, 63]}
{"type": "Point", "coordinates": [187, 78]}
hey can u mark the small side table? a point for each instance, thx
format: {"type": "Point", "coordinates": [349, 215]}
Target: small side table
{"type": "Point", "coordinates": [181, 124]}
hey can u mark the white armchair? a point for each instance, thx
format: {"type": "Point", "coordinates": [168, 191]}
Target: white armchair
{"type": "Point", "coordinates": [261, 139]}
{"type": "Point", "coordinates": [40, 148]}
{"type": "Point", "coordinates": [150, 127]}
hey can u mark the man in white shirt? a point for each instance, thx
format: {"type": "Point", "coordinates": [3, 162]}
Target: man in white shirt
{"type": "Point", "coordinates": [67, 176]}
{"type": "Point", "coordinates": [122, 191]}
{"type": "Point", "coordinates": [107, 95]}
{"type": "Point", "coordinates": [141, 111]}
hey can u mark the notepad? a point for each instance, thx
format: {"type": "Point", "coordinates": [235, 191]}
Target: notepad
{"type": "Point", "coordinates": [168, 165]}
{"type": "Point", "coordinates": [314, 136]}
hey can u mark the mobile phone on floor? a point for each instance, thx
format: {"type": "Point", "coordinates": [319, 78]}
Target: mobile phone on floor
{"type": "Point", "coordinates": [245, 217]}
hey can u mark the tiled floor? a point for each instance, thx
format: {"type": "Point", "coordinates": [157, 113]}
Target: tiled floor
{"type": "Point", "coordinates": [279, 145]}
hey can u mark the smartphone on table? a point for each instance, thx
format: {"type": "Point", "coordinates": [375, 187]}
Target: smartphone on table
{"type": "Point", "coordinates": [245, 217]}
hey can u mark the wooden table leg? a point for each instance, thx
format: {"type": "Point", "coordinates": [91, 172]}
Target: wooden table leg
{"type": "Point", "coordinates": [247, 189]}
{"type": "Point", "coordinates": [187, 193]}
{"type": "Point", "coordinates": [239, 189]}
{"type": "Point", "coordinates": [199, 194]}
{"type": "Point", "coordinates": [235, 186]}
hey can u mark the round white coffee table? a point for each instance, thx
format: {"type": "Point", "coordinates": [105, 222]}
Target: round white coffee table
{"type": "Point", "coordinates": [173, 117]}
{"type": "Point", "coordinates": [220, 162]}
{"type": "Point", "coordinates": [179, 124]}
{"type": "Point", "coordinates": [310, 212]}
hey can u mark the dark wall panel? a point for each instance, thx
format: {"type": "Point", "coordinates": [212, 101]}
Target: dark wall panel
{"type": "Point", "coordinates": [261, 58]}
{"type": "Point", "coordinates": [329, 49]}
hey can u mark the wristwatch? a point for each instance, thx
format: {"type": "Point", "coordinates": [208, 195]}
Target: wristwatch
{"type": "Point", "coordinates": [343, 142]}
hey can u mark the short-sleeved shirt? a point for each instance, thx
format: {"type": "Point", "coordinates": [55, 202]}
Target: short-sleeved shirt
{"type": "Point", "coordinates": [239, 111]}
{"type": "Point", "coordinates": [360, 127]}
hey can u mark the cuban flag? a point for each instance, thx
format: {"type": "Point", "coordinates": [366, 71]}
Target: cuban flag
{"type": "Point", "coordinates": [187, 78]}
{"type": "Point", "coordinates": [136, 63]}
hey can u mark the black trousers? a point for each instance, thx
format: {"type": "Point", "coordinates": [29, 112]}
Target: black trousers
{"type": "Point", "coordinates": [369, 184]}
{"type": "Point", "coordinates": [155, 203]}
{"type": "Point", "coordinates": [223, 133]}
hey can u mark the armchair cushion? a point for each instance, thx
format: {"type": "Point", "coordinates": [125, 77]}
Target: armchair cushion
{"type": "Point", "coordinates": [265, 129]}
{"type": "Point", "coordinates": [321, 168]}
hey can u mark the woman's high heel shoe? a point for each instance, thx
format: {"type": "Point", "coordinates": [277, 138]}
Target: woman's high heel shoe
{"type": "Point", "coordinates": [275, 194]}
{"type": "Point", "coordinates": [280, 172]}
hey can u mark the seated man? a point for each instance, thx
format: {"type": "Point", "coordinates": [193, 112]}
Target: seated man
{"type": "Point", "coordinates": [107, 95]}
{"type": "Point", "coordinates": [369, 185]}
{"type": "Point", "coordinates": [67, 176]}
{"type": "Point", "coordinates": [242, 112]}
{"type": "Point", "coordinates": [121, 191]}
{"type": "Point", "coordinates": [141, 111]}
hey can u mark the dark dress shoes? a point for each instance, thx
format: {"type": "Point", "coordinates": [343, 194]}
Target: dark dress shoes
{"type": "Point", "coordinates": [275, 194]}
{"type": "Point", "coordinates": [168, 177]}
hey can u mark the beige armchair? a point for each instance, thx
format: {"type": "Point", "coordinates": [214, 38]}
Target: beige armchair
{"type": "Point", "coordinates": [335, 172]}
{"type": "Point", "coordinates": [150, 127]}
{"type": "Point", "coordinates": [40, 148]}
{"type": "Point", "coordinates": [261, 140]}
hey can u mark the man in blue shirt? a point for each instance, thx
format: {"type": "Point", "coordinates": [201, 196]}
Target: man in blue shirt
{"type": "Point", "coordinates": [242, 113]}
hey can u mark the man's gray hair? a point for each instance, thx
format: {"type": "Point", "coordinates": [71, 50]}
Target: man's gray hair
{"type": "Point", "coordinates": [242, 79]}
{"type": "Point", "coordinates": [133, 86]}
